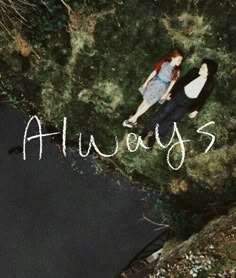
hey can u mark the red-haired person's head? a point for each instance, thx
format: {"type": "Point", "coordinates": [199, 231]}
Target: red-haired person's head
{"type": "Point", "coordinates": [175, 58]}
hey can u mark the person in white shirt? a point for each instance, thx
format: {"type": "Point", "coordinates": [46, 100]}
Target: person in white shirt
{"type": "Point", "coordinates": [188, 95]}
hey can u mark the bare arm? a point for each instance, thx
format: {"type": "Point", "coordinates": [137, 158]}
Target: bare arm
{"type": "Point", "coordinates": [167, 93]}
{"type": "Point", "coordinates": [150, 77]}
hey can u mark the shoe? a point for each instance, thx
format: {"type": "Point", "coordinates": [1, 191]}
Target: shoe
{"type": "Point", "coordinates": [151, 141]}
{"type": "Point", "coordinates": [128, 124]}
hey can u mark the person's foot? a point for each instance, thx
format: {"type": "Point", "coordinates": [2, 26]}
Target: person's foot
{"type": "Point", "coordinates": [151, 142]}
{"type": "Point", "coordinates": [128, 124]}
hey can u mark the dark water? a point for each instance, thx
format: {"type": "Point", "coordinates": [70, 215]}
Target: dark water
{"type": "Point", "coordinates": [58, 217]}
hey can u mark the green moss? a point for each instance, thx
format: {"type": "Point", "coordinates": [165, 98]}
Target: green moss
{"type": "Point", "coordinates": [93, 63]}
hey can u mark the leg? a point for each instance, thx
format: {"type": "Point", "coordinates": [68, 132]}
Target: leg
{"type": "Point", "coordinates": [168, 122]}
{"type": "Point", "coordinates": [144, 133]}
{"type": "Point", "coordinates": [151, 141]}
{"type": "Point", "coordinates": [150, 136]}
{"type": "Point", "coordinates": [143, 107]}
{"type": "Point", "coordinates": [165, 120]}
{"type": "Point", "coordinates": [160, 116]}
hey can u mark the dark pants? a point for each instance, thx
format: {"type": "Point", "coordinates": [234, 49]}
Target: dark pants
{"type": "Point", "coordinates": [172, 112]}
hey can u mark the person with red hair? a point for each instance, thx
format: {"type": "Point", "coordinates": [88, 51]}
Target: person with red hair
{"type": "Point", "coordinates": [187, 96]}
{"type": "Point", "coordinates": [158, 84]}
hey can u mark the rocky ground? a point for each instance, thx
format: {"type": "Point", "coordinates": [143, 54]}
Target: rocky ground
{"type": "Point", "coordinates": [209, 253]}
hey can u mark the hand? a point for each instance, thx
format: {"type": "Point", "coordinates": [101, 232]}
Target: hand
{"type": "Point", "coordinates": [193, 114]}
{"type": "Point", "coordinates": [163, 97]}
{"type": "Point", "coordinates": [168, 97]}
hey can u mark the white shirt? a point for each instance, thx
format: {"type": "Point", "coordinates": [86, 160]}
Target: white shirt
{"type": "Point", "coordinates": [193, 89]}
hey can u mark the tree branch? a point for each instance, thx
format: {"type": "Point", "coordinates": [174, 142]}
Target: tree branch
{"type": "Point", "coordinates": [68, 7]}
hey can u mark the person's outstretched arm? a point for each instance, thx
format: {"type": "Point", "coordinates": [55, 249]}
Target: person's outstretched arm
{"type": "Point", "coordinates": [199, 104]}
{"type": "Point", "coordinates": [200, 101]}
{"type": "Point", "coordinates": [167, 93]}
{"type": "Point", "coordinates": [182, 81]}
{"type": "Point", "coordinates": [150, 77]}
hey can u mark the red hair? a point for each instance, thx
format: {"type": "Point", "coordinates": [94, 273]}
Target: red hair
{"type": "Point", "coordinates": [173, 54]}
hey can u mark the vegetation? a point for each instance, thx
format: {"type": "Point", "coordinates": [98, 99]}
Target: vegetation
{"type": "Point", "coordinates": [209, 253]}
{"type": "Point", "coordinates": [85, 61]}
{"type": "Point", "coordinates": [12, 13]}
